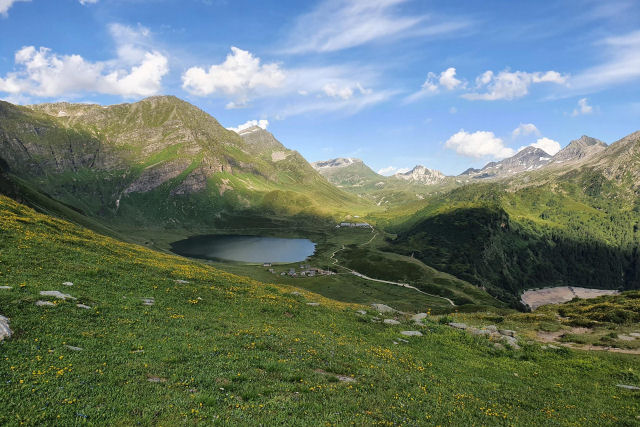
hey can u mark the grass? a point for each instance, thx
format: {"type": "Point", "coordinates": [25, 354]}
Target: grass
{"type": "Point", "coordinates": [225, 349]}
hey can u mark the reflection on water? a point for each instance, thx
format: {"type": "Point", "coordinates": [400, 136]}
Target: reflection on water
{"type": "Point", "coordinates": [252, 249]}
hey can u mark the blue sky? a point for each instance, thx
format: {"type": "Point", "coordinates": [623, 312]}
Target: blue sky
{"type": "Point", "coordinates": [447, 84]}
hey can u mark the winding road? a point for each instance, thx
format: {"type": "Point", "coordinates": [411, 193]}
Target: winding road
{"type": "Point", "coordinates": [362, 276]}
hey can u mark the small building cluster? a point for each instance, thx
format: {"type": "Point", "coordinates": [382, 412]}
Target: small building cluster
{"type": "Point", "coordinates": [305, 271]}
{"type": "Point", "coordinates": [354, 225]}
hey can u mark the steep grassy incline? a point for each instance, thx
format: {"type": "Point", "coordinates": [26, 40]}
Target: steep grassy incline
{"type": "Point", "coordinates": [576, 227]}
{"type": "Point", "coordinates": [160, 340]}
{"type": "Point", "coordinates": [159, 162]}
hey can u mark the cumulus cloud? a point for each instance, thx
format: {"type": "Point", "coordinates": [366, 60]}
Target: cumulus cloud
{"type": "Point", "coordinates": [434, 82]}
{"type": "Point", "coordinates": [392, 170]}
{"type": "Point", "coordinates": [341, 24]}
{"type": "Point", "coordinates": [583, 108]}
{"type": "Point", "coordinates": [43, 73]}
{"type": "Point", "coordinates": [511, 85]}
{"type": "Point", "coordinates": [242, 78]}
{"type": "Point", "coordinates": [547, 145]}
{"type": "Point", "coordinates": [263, 123]}
{"type": "Point", "coordinates": [85, 2]}
{"type": "Point", "coordinates": [5, 5]}
{"type": "Point", "coordinates": [525, 129]}
{"type": "Point", "coordinates": [478, 144]}
{"type": "Point", "coordinates": [239, 76]}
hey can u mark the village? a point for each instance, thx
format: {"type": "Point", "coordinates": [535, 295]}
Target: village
{"type": "Point", "coordinates": [305, 271]}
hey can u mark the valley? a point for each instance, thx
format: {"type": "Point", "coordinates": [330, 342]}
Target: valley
{"type": "Point", "coordinates": [281, 298]}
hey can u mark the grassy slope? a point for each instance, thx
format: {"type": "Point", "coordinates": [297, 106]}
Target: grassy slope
{"type": "Point", "coordinates": [231, 350]}
{"type": "Point", "coordinates": [581, 230]}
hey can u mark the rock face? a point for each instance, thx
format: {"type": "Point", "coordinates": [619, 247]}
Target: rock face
{"type": "Point", "coordinates": [422, 175]}
{"type": "Point", "coordinates": [527, 159]}
{"type": "Point", "coordinates": [340, 162]}
{"type": "Point", "coordinates": [578, 150]}
{"type": "Point", "coordinates": [5, 331]}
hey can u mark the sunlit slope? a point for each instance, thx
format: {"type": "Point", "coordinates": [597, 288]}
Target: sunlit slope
{"type": "Point", "coordinates": [214, 347]}
{"type": "Point", "coordinates": [573, 226]}
{"type": "Point", "coordinates": [160, 161]}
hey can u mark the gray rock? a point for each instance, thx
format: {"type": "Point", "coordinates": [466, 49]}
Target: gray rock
{"type": "Point", "coordinates": [56, 294]}
{"type": "Point", "coordinates": [86, 307]}
{"type": "Point", "coordinates": [181, 281]}
{"type": "Point", "coordinates": [70, 347]}
{"type": "Point", "coordinates": [628, 387]}
{"type": "Point", "coordinates": [458, 325]}
{"type": "Point", "coordinates": [391, 322]}
{"type": "Point", "coordinates": [419, 317]}
{"type": "Point", "coordinates": [5, 331]}
{"type": "Point", "coordinates": [296, 293]}
{"type": "Point", "coordinates": [345, 379]}
{"type": "Point", "coordinates": [382, 308]}
{"type": "Point", "coordinates": [148, 301]}
{"type": "Point", "coordinates": [498, 346]}
{"type": "Point", "coordinates": [362, 312]}
{"type": "Point", "coordinates": [6, 288]}
{"type": "Point", "coordinates": [313, 304]}
{"type": "Point", "coordinates": [512, 342]}
{"type": "Point", "coordinates": [507, 332]}
{"type": "Point", "coordinates": [402, 340]}
{"type": "Point", "coordinates": [624, 337]}
{"type": "Point", "coordinates": [67, 283]}
{"type": "Point", "coordinates": [412, 333]}
{"type": "Point", "coordinates": [634, 334]}
{"type": "Point", "coordinates": [492, 328]}
{"type": "Point", "coordinates": [45, 304]}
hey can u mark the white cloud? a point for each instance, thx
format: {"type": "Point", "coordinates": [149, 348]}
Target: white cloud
{"type": "Point", "coordinates": [583, 108]}
{"type": "Point", "coordinates": [510, 85]}
{"type": "Point", "coordinates": [260, 123]}
{"type": "Point", "coordinates": [478, 144]}
{"type": "Point", "coordinates": [242, 78]}
{"type": "Point", "coordinates": [446, 79]}
{"type": "Point", "coordinates": [392, 170]}
{"type": "Point", "coordinates": [453, 110]}
{"type": "Point", "coordinates": [5, 5]}
{"type": "Point", "coordinates": [341, 24]}
{"type": "Point", "coordinates": [547, 145]}
{"type": "Point", "coordinates": [239, 76]}
{"type": "Point", "coordinates": [44, 73]}
{"type": "Point", "coordinates": [622, 63]}
{"type": "Point", "coordinates": [525, 129]}
{"type": "Point", "coordinates": [85, 2]}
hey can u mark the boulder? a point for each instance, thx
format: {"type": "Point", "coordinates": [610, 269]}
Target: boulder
{"type": "Point", "coordinates": [383, 308]}
{"type": "Point", "coordinates": [458, 325]}
{"type": "Point", "coordinates": [391, 322]}
{"type": "Point", "coordinates": [5, 331]}
{"type": "Point", "coordinates": [56, 294]}
{"type": "Point", "coordinates": [411, 333]}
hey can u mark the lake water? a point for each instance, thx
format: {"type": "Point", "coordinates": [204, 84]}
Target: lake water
{"type": "Point", "coordinates": [251, 249]}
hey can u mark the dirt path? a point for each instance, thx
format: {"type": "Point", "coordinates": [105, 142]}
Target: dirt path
{"type": "Point", "coordinates": [362, 276]}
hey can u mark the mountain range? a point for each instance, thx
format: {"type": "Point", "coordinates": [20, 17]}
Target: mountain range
{"type": "Point", "coordinates": [162, 163]}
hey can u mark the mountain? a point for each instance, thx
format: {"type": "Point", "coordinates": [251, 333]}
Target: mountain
{"type": "Point", "coordinates": [422, 175]}
{"type": "Point", "coordinates": [579, 149]}
{"type": "Point", "coordinates": [160, 160]}
{"type": "Point", "coordinates": [348, 173]}
{"type": "Point", "coordinates": [527, 159]}
{"type": "Point", "coordinates": [354, 176]}
{"type": "Point", "coordinates": [574, 224]}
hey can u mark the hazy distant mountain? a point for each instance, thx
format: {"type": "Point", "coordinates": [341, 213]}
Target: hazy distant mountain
{"type": "Point", "coordinates": [527, 159]}
{"type": "Point", "coordinates": [422, 175]}
{"type": "Point", "coordinates": [348, 172]}
{"type": "Point", "coordinates": [579, 149]}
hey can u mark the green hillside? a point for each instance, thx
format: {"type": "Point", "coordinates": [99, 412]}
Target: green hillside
{"type": "Point", "coordinates": [221, 349]}
{"type": "Point", "coordinates": [575, 226]}
{"type": "Point", "coordinates": [160, 162]}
